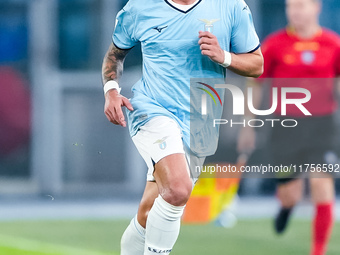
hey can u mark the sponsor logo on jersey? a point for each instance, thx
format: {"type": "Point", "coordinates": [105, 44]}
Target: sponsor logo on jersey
{"type": "Point", "coordinates": [160, 29]}
{"type": "Point", "coordinates": [289, 59]}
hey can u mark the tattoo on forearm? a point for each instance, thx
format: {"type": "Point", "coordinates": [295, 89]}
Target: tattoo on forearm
{"type": "Point", "coordinates": [113, 63]}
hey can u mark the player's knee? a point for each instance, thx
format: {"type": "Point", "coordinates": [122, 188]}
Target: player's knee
{"type": "Point", "coordinates": [177, 195]}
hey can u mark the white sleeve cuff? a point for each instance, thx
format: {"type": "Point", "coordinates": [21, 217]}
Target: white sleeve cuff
{"type": "Point", "coordinates": [111, 85]}
{"type": "Point", "coordinates": [227, 59]}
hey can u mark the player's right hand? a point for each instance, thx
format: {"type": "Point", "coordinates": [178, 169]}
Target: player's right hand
{"type": "Point", "coordinates": [113, 107]}
{"type": "Point", "coordinates": [246, 140]}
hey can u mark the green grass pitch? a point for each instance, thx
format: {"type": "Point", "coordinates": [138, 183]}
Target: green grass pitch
{"type": "Point", "coordinates": [102, 237]}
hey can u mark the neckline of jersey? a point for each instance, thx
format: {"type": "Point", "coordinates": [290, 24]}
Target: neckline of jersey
{"type": "Point", "coordinates": [183, 7]}
{"type": "Point", "coordinates": [185, 12]}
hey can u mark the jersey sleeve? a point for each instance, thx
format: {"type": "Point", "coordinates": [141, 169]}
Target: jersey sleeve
{"type": "Point", "coordinates": [123, 35]}
{"type": "Point", "coordinates": [243, 36]}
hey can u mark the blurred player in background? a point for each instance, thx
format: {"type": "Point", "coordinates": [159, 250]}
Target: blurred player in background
{"type": "Point", "coordinates": [310, 53]}
{"type": "Point", "coordinates": [174, 50]}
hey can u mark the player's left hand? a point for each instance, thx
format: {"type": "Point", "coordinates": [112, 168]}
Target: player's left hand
{"type": "Point", "coordinates": [210, 47]}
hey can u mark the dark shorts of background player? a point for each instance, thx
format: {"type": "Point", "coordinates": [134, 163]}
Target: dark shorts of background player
{"type": "Point", "coordinates": [307, 143]}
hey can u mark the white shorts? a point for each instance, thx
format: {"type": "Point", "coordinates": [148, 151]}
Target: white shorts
{"type": "Point", "coordinates": [160, 137]}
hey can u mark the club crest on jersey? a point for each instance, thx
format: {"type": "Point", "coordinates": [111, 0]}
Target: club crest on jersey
{"type": "Point", "coordinates": [307, 57]}
{"type": "Point", "coordinates": [209, 24]}
{"type": "Point", "coordinates": [161, 142]}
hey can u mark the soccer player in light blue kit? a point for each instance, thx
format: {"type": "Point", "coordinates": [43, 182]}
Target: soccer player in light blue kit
{"type": "Point", "coordinates": [175, 49]}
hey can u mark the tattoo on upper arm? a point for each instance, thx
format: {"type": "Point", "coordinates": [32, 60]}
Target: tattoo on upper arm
{"type": "Point", "coordinates": [113, 63]}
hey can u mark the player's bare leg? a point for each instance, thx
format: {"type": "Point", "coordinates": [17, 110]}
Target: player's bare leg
{"type": "Point", "coordinates": [322, 189]}
{"type": "Point", "coordinates": [289, 194]}
{"type": "Point", "coordinates": [323, 195]}
{"type": "Point", "coordinates": [175, 186]}
{"type": "Point", "coordinates": [149, 196]}
{"type": "Point", "coordinates": [163, 221]}
{"type": "Point", "coordinates": [173, 179]}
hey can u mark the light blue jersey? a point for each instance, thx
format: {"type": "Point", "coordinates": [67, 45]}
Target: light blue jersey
{"type": "Point", "coordinates": [172, 56]}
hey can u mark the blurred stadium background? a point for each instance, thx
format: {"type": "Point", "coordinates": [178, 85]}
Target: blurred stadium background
{"type": "Point", "coordinates": [67, 176]}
